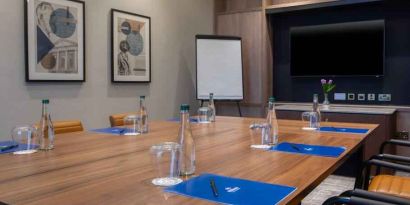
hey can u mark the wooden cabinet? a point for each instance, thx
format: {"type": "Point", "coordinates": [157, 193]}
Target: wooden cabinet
{"type": "Point", "coordinates": [385, 131]}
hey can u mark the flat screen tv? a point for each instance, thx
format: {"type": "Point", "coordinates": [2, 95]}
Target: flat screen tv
{"type": "Point", "coordinates": [345, 49]}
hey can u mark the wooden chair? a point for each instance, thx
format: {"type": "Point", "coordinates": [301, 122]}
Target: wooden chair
{"type": "Point", "coordinates": [61, 127]}
{"type": "Point", "coordinates": [387, 184]}
{"type": "Point", "coordinates": [118, 119]}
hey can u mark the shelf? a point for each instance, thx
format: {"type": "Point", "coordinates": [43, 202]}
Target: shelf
{"type": "Point", "coordinates": [312, 4]}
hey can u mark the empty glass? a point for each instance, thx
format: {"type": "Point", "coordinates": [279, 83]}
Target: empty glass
{"type": "Point", "coordinates": [260, 136]}
{"type": "Point", "coordinates": [25, 139]}
{"type": "Point", "coordinates": [165, 159]}
{"type": "Point", "coordinates": [204, 115]}
{"type": "Point", "coordinates": [311, 120]}
{"type": "Point", "coordinates": [132, 125]}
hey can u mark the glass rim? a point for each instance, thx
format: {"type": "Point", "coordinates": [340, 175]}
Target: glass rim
{"type": "Point", "coordinates": [165, 146]}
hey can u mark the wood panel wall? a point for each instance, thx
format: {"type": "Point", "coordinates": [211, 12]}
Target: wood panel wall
{"type": "Point", "coordinates": [247, 19]}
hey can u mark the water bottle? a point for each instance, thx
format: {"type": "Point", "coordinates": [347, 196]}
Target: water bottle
{"type": "Point", "coordinates": [144, 115]}
{"type": "Point", "coordinates": [316, 108]}
{"type": "Point", "coordinates": [273, 122]}
{"type": "Point", "coordinates": [211, 107]}
{"type": "Point", "coordinates": [186, 140]}
{"type": "Point", "coordinates": [46, 129]}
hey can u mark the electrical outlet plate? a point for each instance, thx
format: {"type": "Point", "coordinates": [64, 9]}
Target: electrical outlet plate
{"type": "Point", "coordinates": [351, 96]}
{"type": "Point", "coordinates": [384, 97]}
{"type": "Point", "coordinates": [371, 97]}
{"type": "Point", "coordinates": [361, 97]}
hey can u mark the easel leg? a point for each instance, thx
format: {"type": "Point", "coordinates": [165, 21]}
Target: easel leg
{"type": "Point", "coordinates": [239, 108]}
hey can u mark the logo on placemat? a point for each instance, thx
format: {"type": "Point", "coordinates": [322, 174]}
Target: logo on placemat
{"type": "Point", "coordinates": [232, 189]}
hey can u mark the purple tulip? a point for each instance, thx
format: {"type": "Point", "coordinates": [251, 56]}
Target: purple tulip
{"type": "Point", "coordinates": [330, 81]}
{"type": "Point", "coordinates": [323, 81]}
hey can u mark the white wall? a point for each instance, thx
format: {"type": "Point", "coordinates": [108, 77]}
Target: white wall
{"type": "Point", "coordinates": [174, 25]}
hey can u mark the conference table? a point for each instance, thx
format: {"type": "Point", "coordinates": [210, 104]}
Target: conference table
{"type": "Point", "coordinates": [95, 168]}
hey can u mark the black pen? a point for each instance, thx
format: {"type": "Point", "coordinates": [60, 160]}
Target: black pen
{"type": "Point", "coordinates": [295, 147]}
{"type": "Point", "coordinates": [6, 148]}
{"type": "Point", "coordinates": [214, 189]}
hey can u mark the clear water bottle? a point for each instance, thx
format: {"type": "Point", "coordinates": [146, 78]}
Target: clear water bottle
{"type": "Point", "coordinates": [144, 115]}
{"type": "Point", "coordinates": [273, 122]}
{"type": "Point", "coordinates": [186, 140]}
{"type": "Point", "coordinates": [46, 129]}
{"type": "Point", "coordinates": [211, 107]}
{"type": "Point", "coordinates": [316, 107]}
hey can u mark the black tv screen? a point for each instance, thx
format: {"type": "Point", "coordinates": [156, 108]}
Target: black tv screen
{"type": "Point", "coordinates": [345, 49]}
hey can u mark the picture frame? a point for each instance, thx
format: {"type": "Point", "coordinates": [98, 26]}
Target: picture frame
{"type": "Point", "coordinates": [54, 40]}
{"type": "Point", "coordinates": [130, 47]}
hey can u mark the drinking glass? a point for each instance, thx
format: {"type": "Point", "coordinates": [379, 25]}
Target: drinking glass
{"type": "Point", "coordinates": [311, 120]}
{"type": "Point", "coordinates": [204, 115]}
{"type": "Point", "coordinates": [132, 125]}
{"type": "Point", "coordinates": [260, 136]}
{"type": "Point", "coordinates": [165, 159]}
{"type": "Point", "coordinates": [26, 139]}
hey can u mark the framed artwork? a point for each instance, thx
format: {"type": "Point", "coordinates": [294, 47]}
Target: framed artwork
{"type": "Point", "coordinates": [55, 40]}
{"type": "Point", "coordinates": [131, 47]}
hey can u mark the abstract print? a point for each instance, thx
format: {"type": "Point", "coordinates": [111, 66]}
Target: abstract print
{"type": "Point", "coordinates": [57, 44]}
{"type": "Point", "coordinates": [131, 47]}
{"type": "Point", "coordinates": [131, 56]}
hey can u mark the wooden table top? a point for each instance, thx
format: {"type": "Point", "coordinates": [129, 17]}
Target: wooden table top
{"type": "Point", "coordinates": [92, 168]}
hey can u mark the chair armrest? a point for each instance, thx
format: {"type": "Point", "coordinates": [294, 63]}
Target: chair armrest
{"type": "Point", "coordinates": [376, 196]}
{"type": "Point", "coordinates": [395, 158]}
{"type": "Point", "coordinates": [390, 165]}
{"type": "Point", "coordinates": [394, 142]}
{"type": "Point", "coordinates": [337, 200]}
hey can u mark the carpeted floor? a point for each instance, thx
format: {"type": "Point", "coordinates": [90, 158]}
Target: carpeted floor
{"type": "Point", "coordinates": [331, 186]}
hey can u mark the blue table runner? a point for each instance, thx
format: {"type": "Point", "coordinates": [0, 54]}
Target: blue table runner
{"type": "Point", "coordinates": [20, 147]}
{"type": "Point", "coordinates": [344, 130]}
{"type": "Point", "coordinates": [192, 120]}
{"type": "Point", "coordinates": [111, 130]}
{"type": "Point", "coordinates": [317, 150]}
{"type": "Point", "coordinates": [232, 190]}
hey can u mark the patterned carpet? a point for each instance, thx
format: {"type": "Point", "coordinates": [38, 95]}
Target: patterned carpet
{"type": "Point", "coordinates": [331, 186]}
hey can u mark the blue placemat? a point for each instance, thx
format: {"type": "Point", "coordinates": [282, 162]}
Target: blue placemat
{"type": "Point", "coordinates": [344, 130]}
{"type": "Point", "coordinates": [111, 130]}
{"type": "Point", "coordinates": [232, 190]}
{"type": "Point", "coordinates": [192, 120]}
{"type": "Point", "coordinates": [20, 147]}
{"type": "Point", "coordinates": [324, 151]}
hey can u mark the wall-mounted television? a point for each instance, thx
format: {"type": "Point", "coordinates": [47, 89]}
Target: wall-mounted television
{"type": "Point", "coordinates": [343, 49]}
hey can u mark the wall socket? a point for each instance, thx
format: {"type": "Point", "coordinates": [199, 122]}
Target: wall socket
{"type": "Point", "coordinates": [403, 135]}
{"type": "Point", "coordinates": [371, 97]}
{"type": "Point", "coordinates": [384, 97]}
{"type": "Point", "coordinates": [361, 97]}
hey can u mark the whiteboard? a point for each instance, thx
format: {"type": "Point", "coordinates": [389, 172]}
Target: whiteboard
{"type": "Point", "coordinates": [219, 67]}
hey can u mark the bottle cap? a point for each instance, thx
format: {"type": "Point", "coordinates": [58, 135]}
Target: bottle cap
{"type": "Point", "coordinates": [271, 99]}
{"type": "Point", "coordinates": [45, 101]}
{"type": "Point", "coordinates": [184, 107]}
{"type": "Point", "coordinates": [142, 97]}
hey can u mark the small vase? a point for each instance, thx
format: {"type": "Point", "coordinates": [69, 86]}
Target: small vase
{"type": "Point", "coordinates": [326, 103]}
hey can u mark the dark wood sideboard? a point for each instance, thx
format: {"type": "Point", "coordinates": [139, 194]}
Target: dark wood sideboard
{"type": "Point", "coordinates": [386, 119]}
